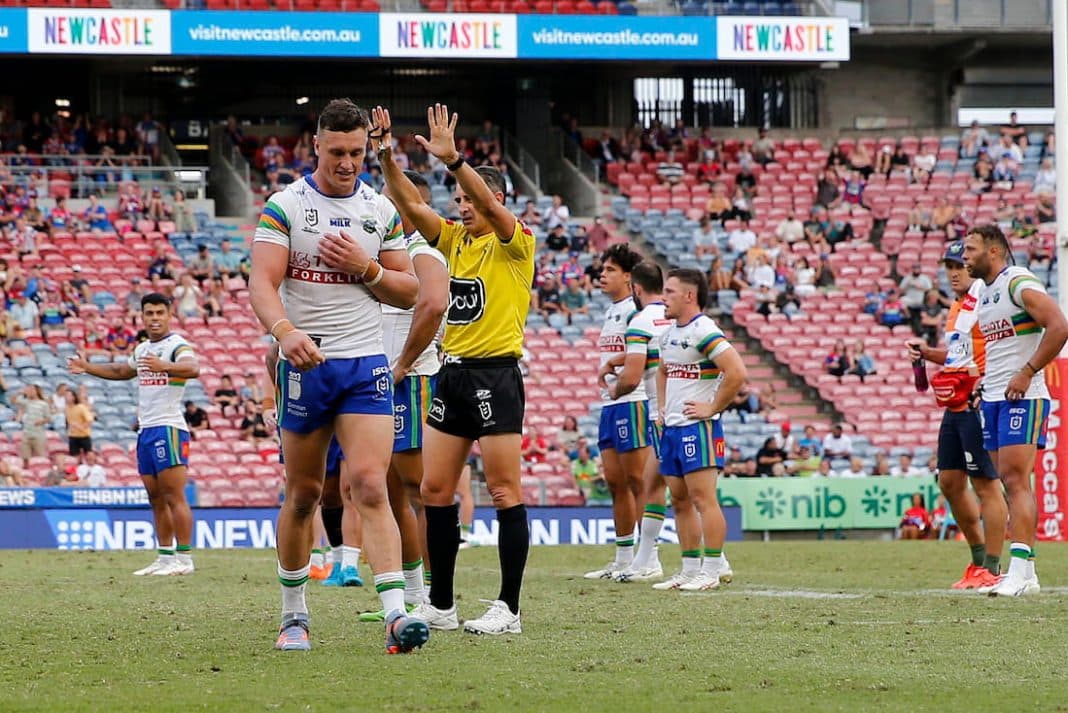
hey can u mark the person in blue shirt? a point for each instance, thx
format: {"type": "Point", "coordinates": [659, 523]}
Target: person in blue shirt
{"type": "Point", "coordinates": [96, 215]}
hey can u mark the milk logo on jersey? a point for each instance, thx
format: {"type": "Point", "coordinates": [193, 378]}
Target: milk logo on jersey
{"type": "Point", "coordinates": [341, 222]}
{"type": "Point", "coordinates": [467, 300]}
{"type": "Point", "coordinates": [293, 386]}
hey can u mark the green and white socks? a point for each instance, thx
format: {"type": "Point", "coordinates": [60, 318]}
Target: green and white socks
{"type": "Point", "coordinates": [390, 588]}
{"type": "Point", "coordinates": [711, 563]}
{"type": "Point", "coordinates": [414, 593]}
{"type": "Point", "coordinates": [624, 549]}
{"type": "Point", "coordinates": [652, 522]}
{"type": "Point", "coordinates": [350, 556]}
{"type": "Point", "coordinates": [318, 558]}
{"type": "Point", "coordinates": [691, 562]}
{"type": "Point", "coordinates": [184, 553]}
{"type": "Point", "coordinates": [1021, 561]}
{"type": "Point", "coordinates": [294, 584]}
{"type": "Point", "coordinates": [165, 555]}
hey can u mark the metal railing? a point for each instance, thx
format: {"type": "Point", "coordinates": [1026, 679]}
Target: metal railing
{"type": "Point", "coordinates": [80, 176]}
{"type": "Point", "coordinates": [524, 159]}
{"type": "Point", "coordinates": [574, 153]}
{"type": "Point", "coordinates": [1035, 15]}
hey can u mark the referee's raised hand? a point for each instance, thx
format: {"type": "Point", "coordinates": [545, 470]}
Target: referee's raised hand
{"type": "Point", "coordinates": [382, 127]}
{"type": "Point", "coordinates": [442, 128]}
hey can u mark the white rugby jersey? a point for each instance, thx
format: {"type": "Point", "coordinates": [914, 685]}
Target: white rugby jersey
{"type": "Point", "coordinates": [960, 350]}
{"type": "Point", "coordinates": [688, 353]}
{"type": "Point", "coordinates": [613, 343]}
{"type": "Point", "coordinates": [397, 322]}
{"type": "Point", "coordinates": [1011, 334]}
{"type": "Point", "coordinates": [159, 395]}
{"type": "Point", "coordinates": [643, 337]}
{"type": "Point", "coordinates": [331, 306]}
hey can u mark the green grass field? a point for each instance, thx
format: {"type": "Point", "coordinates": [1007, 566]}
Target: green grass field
{"type": "Point", "coordinates": [828, 626]}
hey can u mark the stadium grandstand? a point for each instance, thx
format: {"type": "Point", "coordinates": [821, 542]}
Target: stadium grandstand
{"type": "Point", "coordinates": [818, 197]}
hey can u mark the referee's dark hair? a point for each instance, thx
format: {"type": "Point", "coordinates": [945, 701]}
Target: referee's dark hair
{"type": "Point", "coordinates": [648, 275]}
{"type": "Point", "coordinates": [155, 298]}
{"type": "Point", "coordinates": [696, 279]}
{"type": "Point", "coordinates": [493, 179]}
{"type": "Point", "coordinates": [343, 115]}
{"type": "Point", "coordinates": [623, 256]}
{"type": "Point", "coordinates": [991, 235]}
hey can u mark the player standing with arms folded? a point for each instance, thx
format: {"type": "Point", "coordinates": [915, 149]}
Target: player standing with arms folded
{"type": "Point", "coordinates": [625, 432]}
{"type": "Point", "coordinates": [479, 394]}
{"type": "Point", "coordinates": [162, 366]}
{"type": "Point", "coordinates": [700, 374]}
{"type": "Point", "coordinates": [327, 250]}
{"type": "Point", "coordinates": [411, 347]}
{"type": "Point", "coordinates": [1024, 331]}
{"type": "Point", "coordinates": [961, 455]}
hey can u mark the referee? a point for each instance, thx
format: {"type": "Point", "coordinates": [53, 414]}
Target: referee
{"type": "Point", "coordinates": [479, 394]}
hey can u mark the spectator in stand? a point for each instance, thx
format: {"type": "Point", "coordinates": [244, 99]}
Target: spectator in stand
{"type": "Point", "coordinates": [156, 209]}
{"type": "Point", "coordinates": [770, 459]}
{"type": "Point", "coordinates": [670, 171]}
{"type": "Point", "coordinates": [836, 158]}
{"type": "Point", "coordinates": [90, 474]}
{"type": "Point", "coordinates": [59, 218]}
{"type": "Point", "coordinates": [196, 418]}
{"type": "Point", "coordinates": [148, 137]}
{"type": "Point", "coordinates": [1013, 131]}
{"type": "Point", "coordinates": [1046, 178]}
{"type": "Point", "coordinates": [228, 261]}
{"type": "Point", "coordinates": [1005, 171]}
{"type": "Point", "coordinates": [273, 153]}
{"type": "Point", "coordinates": [608, 149]}
{"type": "Point", "coordinates": [592, 274]}
{"type": "Point", "coordinates": [251, 389]}
{"type": "Point", "coordinates": [923, 165]}
{"type": "Point", "coordinates": [763, 148]}
{"type": "Point", "coordinates": [586, 470]}
{"type": "Point", "coordinates": [742, 238]}
{"type": "Point", "coordinates": [54, 313]}
{"type": "Point", "coordinates": [1046, 209]}
{"type": "Point", "coordinates": [768, 400]}
{"type": "Point", "coordinates": [1007, 145]}
{"type": "Point", "coordinates": [556, 214]}
{"type": "Point", "coordinates": [705, 241]}
{"type": "Point", "coordinates": [811, 441]}
{"type": "Point", "coordinates": [920, 216]}
{"type": "Point", "coordinates": [133, 300]}
{"type": "Point", "coordinates": [598, 236]}
{"type": "Point", "coordinates": [914, 287]}
{"type": "Point", "coordinates": [916, 522]}
{"type": "Point", "coordinates": [530, 215]}
{"type": "Point", "coordinates": [548, 297]}
{"type": "Point", "coordinates": [882, 464]}
{"type": "Point", "coordinates": [853, 189]}
{"type": "Point", "coordinates": [746, 179]}
{"type": "Point", "coordinates": [36, 132]}
{"type": "Point", "coordinates": [34, 217]}
{"type": "Point", "coordinates": [35, 414]}
{"type": "Point", "coordinates": [741, 204]}
{"type": "Point", "coordinates": [1021, 224]}
{"type": "Point", "coordinates": [972, 139]}
{"type": "Point", "coordinates": [216, 298]}
{"type": "Point", "coordinates": [58, 472]}
{"type": "Point", "coordinates": [983, 173]}
{"type": "Point", "coordinates": [719, 278]}
{"type": "Point", "coordinates": [131, 206]}
{"type": "Point", "coordinates": [202, 267]}
{"type": "Point", "coordinates": [253, 428]}
{"type": "Point", "coordinates": [95, 215]}
{"type": "Point", "coordinates": [226, 396]}
{"type": "Point", "coordinates": [719, 206]}
{"type": "Point", "coordinates": [574, 300]}
{"type": "Point", "coordinates": [860, 161]}
{"type": "Point", "coordinates": [806, 464]}
{"type": "Point", "coordinates": [558, 240]}
{"type": "Point", "coordinates": [837, 444]}
{"type": "Point", "coordinates": [838, 362]}
{"type": "Point", "coordinates": [181, 212]}
{"type": "Point", "coordinates": [534, 447]}
{"type": "Point", "coordinates": [882, 161]}
{"type": "Point", "coordinates": [25, 312]}
{"type": "Point", "coordinates": [580, 241]}
{"type": "Point", "coordinates": [855, 470]}
{"type": "Point", "coordinates": [568, 435]}
{"type": "Point", "coordinates": [905, 468]}
{"type": "Point", "coordinates": [746, 401]}
{"type": "Point", "coordinates": [739, 275]}
{"type": "Point", "coordinates": [79, 426]}
{"type": "Point", "coordinates": [96, 338]}
{"type": "Point", "coordinates": [710, 168]}
{"type": "Point", "coordinates": [161, 266]}
{"type": "Point", "coordinates": [762, 275]}
{"type": "Point", "coordinates": [790, 229]}
{"type": "Point", "coordinates": [899, 160]}
{"type": "Point", "coordinates": [121, 339]}
{"type": "Point", "coordinates": [188, 298]}
{"type": "Point", "coordinates": [932, 318]}
{"type": "Point", "coordinates": [828, 194]}
{"type": "Point", "coordinates": [892, 311]}
{"type": "Point", "coordinates": [804, 278]}
{"type": "Point", "coordinates": [863, 363]}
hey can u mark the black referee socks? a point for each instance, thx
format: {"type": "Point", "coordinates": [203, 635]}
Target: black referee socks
{"type": "Point", "coordinates": [442, 544]}
{"type": "Point", "coordinates": [513, 543]}
{"type": "Point", "coordinates": [332, 525]}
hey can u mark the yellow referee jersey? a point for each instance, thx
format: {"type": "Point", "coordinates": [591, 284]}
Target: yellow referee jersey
{"type": "Point", "coordinates": [489, 290]}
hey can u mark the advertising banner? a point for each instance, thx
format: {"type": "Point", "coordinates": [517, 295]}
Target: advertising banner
{"type": "Point", "coordinates": [783, 39]}
{"type": "Point", "coordinates": [228, 528]}
{"type": "Point", "coordinates": [135, 497]}
{"type": "Point", "coordinates": [276, 34]}
{"type": "Point", "coordinates": [108, 32]}
{"type": "Point", "coordinates": [426, 34]}
{"type": "Point", "coordinates": [1051, 486]}
{"type": "Point", "coordinates": [13, 37]}
{"type": "Point", "coordinates": [831, 503]}
{"type": "Point", "coordinates": [616, 38]}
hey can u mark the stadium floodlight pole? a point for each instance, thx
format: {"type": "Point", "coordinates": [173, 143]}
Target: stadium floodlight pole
{"type": "Point", "coordinates": [1060, 129]}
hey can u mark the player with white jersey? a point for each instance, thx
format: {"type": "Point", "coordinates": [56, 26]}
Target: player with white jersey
{"type": "Point", "coordinates": [961, 454]}
{"type": "Point", "coordinates": [624, 432]}
{"type": "Point", "coordinates": [327, 250]}
{"type": "Point", "coordinates": [412, 350]}
{"type": "Point", "coordinates": [162, 366]}
{"type": "Point", "coordinates": [1024, 330]}
{"type": "Point", "coordinates": [700, 375]}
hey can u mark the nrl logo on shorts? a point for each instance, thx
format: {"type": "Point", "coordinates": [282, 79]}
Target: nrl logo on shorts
{"type": "Point", "coordinates": [311, 216]}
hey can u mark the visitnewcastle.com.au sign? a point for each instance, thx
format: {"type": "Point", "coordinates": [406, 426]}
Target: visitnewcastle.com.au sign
{"type": "Point", "coordinates": [132, 31]}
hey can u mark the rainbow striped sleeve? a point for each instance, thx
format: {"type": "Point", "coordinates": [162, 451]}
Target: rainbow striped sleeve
{"type": "Point", "coordinates": [274, 219]}
{"type": "Point", "coordinates": [1018, 284]}
{"type": "Point", "coordinates": [713, 344]}
{"type": "Point", "coordinates": [652, 357]}
{"type": "Point", "coordinates": [709, 370]}
{"type": "Point", "coordinates": [394, 238]}
{"type": "Point", "coordinates": [1024, 323]}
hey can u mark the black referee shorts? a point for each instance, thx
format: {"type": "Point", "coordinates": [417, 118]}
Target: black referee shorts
{"type": "Point", "coordinates": [478, 397]}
